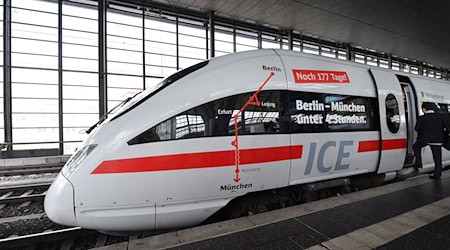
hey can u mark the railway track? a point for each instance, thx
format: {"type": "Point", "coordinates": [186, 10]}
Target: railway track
{"type": "Point", "coordinates": [30, 169]}
{"type": "Point", "coordinates": [23, 193]}
{"type": "Point", "coordinates": [68, 238]}
{"type": "Point", "coordinates": [47, 240]}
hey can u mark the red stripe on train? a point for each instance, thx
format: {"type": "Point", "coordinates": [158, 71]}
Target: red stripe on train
{"type": "Point", "coordinates": [199, 160]}
{"type": "Point", "coordinates": [394, 144]}
{"type": "Point", "coordinates": [374, 145]}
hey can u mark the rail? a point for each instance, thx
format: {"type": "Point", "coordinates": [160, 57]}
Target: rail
{"type": "Point", "coordinates": [30, 169]}
{"type": "Point", "coordinates": [8, 196]}
{"type": "Point", "coordinates": [52, 236]}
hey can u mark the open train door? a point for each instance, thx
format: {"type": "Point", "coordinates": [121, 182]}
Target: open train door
{"type": "Point", "coordinates": [393, 132]}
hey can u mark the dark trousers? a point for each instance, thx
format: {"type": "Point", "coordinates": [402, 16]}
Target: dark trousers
{"type": "Point", "coordinates": [437, 156]}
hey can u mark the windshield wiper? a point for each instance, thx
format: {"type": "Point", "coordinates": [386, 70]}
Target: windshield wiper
{"type": "Point", "coordinates": [103, 118]}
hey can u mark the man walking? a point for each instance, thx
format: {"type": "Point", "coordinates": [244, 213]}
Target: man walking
{"type": "Point", "coordinates": [430, 130]}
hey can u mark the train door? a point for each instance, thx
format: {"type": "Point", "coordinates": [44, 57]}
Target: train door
{"type": "Point", "coordinates": [393, 132]}
{"type": "Point", "coordinates": [410, 116]}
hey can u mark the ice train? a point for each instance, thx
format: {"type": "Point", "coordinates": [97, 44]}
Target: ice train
{"type": "Point", "coordinates": [238, 125]}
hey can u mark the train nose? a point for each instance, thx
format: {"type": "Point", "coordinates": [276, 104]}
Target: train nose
{"type": "Point", "coordinates": [58, 203]}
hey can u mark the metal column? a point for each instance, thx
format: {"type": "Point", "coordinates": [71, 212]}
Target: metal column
{"type": "Point", "coordinates": [389, 58]}
{"type": "Point", "coordinates": [280, 37]}
{"type": "Point", "coordinates": [143, 49]}
{"type": "Point", "coordinates": [234, 39]}
{"type": "Point", "coordinates": [212, 37]}
{"type": "Point", "coordinates": [102, 69]}
{"type": "Point", "coordinates": [320, 47]}
{"type": "Point", "coordinates": [259, 39]}
{"type": "Point", "coordinates": [206, 24]}
{"type": "Point", "coordinates": [301, 43]}
{"type": "Point", "coordinates": [178, 44]}
{"type": "Point", "coordinates": [421, 68]}
{"type": "Point", "coordinates": [7, 96]}
{"type": "Point", "coordinates": [290, 40]}
{"type": "Point", "coordinates": [60, 81]}
{"type": "Point", "coordinates": [348, 51]}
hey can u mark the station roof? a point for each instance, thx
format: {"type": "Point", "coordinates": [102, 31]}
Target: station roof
{"type": "Point", "coordinates": [413, 29]}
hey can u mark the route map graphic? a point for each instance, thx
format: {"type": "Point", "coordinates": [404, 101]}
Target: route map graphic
{"type": "Point", "coordinates": [253, 100]}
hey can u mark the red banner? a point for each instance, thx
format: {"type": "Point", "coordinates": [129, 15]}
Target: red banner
{"type": "Point", "coordinates": [320, 76]}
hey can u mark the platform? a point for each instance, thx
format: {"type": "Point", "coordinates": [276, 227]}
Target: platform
{"type": "Point", "coordinates": [411, 214]}
{"type": "Point", "coordinates": [45, 160]}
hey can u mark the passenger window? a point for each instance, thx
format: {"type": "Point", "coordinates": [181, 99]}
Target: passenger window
{"type": "Point", "coordinates": [392, 114]}
{"type": "Point", "coordinates": [306, 112]}
{"type": "Point", "coordinates": [163, 131]}
{"type": "Point", "coordinates": [263, 119]}
{"type": "Point", "coordinates": [440, 108]}
{"type": "Point", "coordinates": [316, 112]}
{"type": "Point", "coordinates": [189, 126]}
{"type": "Point", "coordinates": [348, 113]}
{"type": "Point", "coordinates": [216, 118]}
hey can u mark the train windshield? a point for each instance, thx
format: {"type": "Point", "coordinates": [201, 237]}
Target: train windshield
{"type": "Point", "coordinates": [146, 94]}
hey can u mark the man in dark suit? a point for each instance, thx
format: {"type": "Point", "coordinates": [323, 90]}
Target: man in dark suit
{"type": "Point", "coordinates": [430, 129]}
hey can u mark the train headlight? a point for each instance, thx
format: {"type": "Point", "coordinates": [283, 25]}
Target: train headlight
{"type": "Point", "coordinates": [76, 159]}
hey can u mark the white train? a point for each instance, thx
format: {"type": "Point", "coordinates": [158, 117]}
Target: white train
{"type": "Point", "coordinates": [170, 157]}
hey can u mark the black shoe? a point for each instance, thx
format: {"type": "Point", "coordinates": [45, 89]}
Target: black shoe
{"type": "Point", "coordinates": [437, 178]}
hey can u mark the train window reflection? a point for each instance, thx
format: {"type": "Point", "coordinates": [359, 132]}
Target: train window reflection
{"type": "Point", "coordinates": [261, 122]}
{"type": "Point", "coordinates": [216, 118]}
{"type": "Point", "coordinates": [440, 108]}
{"type": "Point", "coordinates": [392, 114]}
{"type": "Point", "coordinates": [189, 126]}
{"type": "Point", "coordinates": [348, 113]}
{"type": "Point", "coordinates": [316, 112]}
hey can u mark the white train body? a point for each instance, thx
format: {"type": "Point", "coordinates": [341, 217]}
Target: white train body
{"type": "Point", "coordinates": [328, 118]}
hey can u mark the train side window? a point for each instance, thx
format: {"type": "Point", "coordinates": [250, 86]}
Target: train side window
{"type": "Point", "coordinates": [349, 113]}
{"type": "Point", "coordinates": [440, 108]}
{"type": "Point", "coordinates": [443, 108]}
{"type": "Point", "coordinates": [189, 124]}
{"type": "Point", "coordinates": [315, 112]}
{"type": "Point", "coordinates": [216, 118]}
{"type": "Point", "coordinates": [392, 114]}
{"type": "Point", "coordinates": [305, 112]}
{"type": "Point", "coordinates": [263, 119]}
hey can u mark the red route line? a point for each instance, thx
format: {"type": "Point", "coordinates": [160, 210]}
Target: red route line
{"type": "Point", "coordinates": [252, 100]}
{"type": "Point", "coordinates": [198, 160]}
